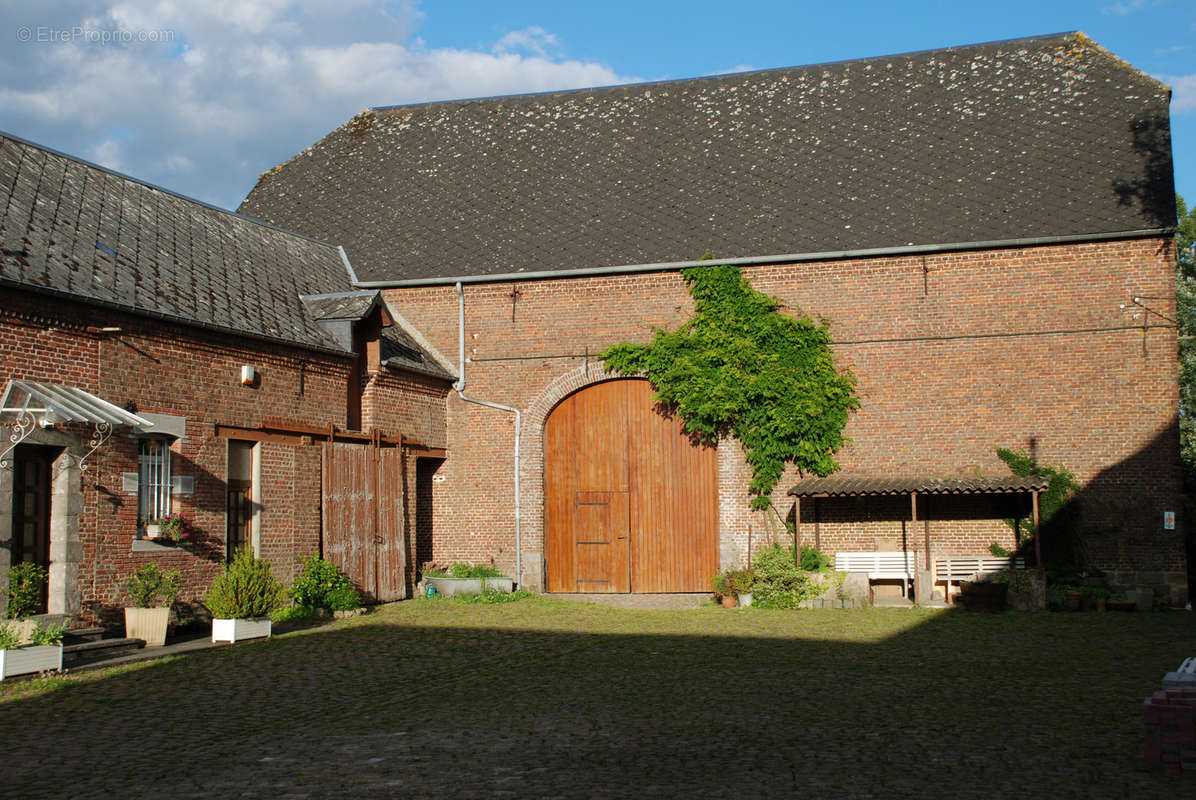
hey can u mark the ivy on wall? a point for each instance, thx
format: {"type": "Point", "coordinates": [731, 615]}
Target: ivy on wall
{"type": "Point", "coordinates": [742, 366]}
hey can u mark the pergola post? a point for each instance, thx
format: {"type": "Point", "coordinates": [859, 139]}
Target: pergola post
{"type": "Point", "coordinates": [797, 531]}
{"type": "Point", "coordinates": [1037, 538]}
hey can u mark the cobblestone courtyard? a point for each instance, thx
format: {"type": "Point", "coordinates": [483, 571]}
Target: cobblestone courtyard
{"type": "Point", "coordinates": [546, 698]}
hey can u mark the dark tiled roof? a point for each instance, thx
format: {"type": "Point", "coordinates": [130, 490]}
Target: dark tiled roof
{"type": "Point", "coordinates": [401, 351]}
{"type": "Point", "coordinates": [1043, 137]}
{"type": "Point", "coordinates": [835, 486]}
{"type": "Point", "coordinates": [73, 228]}
{"type": "Point", "coordinates": [342, 305]}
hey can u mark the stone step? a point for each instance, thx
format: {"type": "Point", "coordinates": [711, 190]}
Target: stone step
{"type": "Point", "coordinates": [79, 635]}
{"type": "Point", "coordinates": [98, 650]}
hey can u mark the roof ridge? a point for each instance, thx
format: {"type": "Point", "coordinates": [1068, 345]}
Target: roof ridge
{"type": "Point", "coordinates": [716, 76]}
{"type": "Point", "coordinates": [125, 176]}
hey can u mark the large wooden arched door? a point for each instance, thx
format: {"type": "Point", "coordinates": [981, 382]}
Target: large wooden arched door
{"type": "Point", "coordinates": [631, 504]}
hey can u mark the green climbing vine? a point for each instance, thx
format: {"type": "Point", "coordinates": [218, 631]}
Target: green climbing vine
{"type": "Point", "coordinates": [741, 365]}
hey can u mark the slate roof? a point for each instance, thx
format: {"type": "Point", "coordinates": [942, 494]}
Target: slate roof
{"type": "Point", "coordinates": [342, 305]}
{"type": "Point", "coordinates": [1042, 137]}
{"type": "Point", "coordinates": [73, 228]}
{"type": "Point", "coordinates": [847, 486]}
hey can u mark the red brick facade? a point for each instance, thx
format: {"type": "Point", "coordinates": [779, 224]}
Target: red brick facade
{"type": "Point", "coordinates": [1038, 348]}
{"type": "Point", "coordinates": [150, 366]}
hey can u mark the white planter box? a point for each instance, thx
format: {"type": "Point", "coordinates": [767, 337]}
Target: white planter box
{"type": "Point", "coordinates": [234, 630]}
{"type": "Point", "coordinates": [148, 624]}
{"type": "Point", "coordinates": [451, 586]}
{"type": "Point", "coordinates": [30, 659]}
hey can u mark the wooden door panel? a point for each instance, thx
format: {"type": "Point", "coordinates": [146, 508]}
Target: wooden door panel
{"type": "Point", "coordinates": [600, 438]}
{"type": "Point", "coordinates": [559, 491]}
{"type": "Point", "coordinates": [348, 514]}
{"type": "Point", "coordinates": [602, 541]}
{"type": "Point", "coordinates": [631, 504]}
{"type": "Point", "coordinates": [392, 550]}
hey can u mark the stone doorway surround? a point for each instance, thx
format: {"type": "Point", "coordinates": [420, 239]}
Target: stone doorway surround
{"type": "Point", "coordinates": [66, 505]}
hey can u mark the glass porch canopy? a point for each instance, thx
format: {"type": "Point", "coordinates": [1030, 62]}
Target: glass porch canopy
{"type": "Point", "coordinates": [27, 405]}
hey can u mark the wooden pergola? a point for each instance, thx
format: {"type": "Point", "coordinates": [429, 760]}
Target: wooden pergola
{"type": "Point", "coordinates": [846, 486]}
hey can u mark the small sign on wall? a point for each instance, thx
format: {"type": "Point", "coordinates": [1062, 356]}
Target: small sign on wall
{"type": "Point", "coordinates": [128, 482]}
{"type": "Point", "coordinates": [1168, 520]}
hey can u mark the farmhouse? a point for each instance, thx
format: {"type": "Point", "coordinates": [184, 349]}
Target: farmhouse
{"type": "Point", "coordinates": [160, 356]}
{"type": "Point", "coordinates": [416, 374]}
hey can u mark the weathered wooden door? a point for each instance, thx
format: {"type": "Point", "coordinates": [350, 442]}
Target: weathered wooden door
{"type": "Point", "coordinates": [631, 504]}
{"type": "Point", "coordinates": [31, 508]}
{"type": "Point", "coordinates": [363, 517]}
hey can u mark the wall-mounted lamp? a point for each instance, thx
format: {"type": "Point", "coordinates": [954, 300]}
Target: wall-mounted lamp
{"type": "Point", "coordinates": [248, 375]}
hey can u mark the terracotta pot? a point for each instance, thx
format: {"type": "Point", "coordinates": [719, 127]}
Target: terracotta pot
{"type": "Point", "coordinates": [728, 601]}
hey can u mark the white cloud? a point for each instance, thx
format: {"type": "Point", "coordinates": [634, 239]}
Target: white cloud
{"type": "Point", "coordinates": [1183, 92]}
{"type": "Point", "coordinates": [1123, 8]}
{"type": "Point", "coordinates": [238, 87]}
{"type": "Point", "coordinates": [531, 40]}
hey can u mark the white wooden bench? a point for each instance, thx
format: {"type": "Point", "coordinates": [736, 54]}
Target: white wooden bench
{"type": "Point", "coordinates": [951, 569]}
{"type": "Point", "coordinates": [898, 565]}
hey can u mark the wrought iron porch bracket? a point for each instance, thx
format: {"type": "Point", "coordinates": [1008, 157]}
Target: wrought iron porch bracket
{"type": "Point", "coordinates": [22, 427]}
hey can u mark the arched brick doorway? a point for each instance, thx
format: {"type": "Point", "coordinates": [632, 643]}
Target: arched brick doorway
{"type": "Point", "coordinates": [631, 503]}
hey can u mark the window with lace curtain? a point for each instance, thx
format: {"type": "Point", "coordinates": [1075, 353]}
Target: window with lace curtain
{"type": "Point", "coordinates": [153, 498]}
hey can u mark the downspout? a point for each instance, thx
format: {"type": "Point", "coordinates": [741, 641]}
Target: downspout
{"type": "Point", "coordinates": [460, 387]}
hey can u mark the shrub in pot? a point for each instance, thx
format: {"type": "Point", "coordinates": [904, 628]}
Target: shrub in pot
{"type": "Point", "coordinates": [153, 591]}
{"type": "Point", "coordinates": [721, 587]}
{"type": "Point", "coordinates": [42, 651]}
{"type": "Point", "coordinates": [242, 597]}
{"type": "Point", "coordinates": [25, 582]}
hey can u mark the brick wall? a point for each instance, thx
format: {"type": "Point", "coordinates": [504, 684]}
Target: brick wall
{"type": "Point", "coordinates": [1039, 348]}
{"type": "Point", "coordinates": [155, 367]}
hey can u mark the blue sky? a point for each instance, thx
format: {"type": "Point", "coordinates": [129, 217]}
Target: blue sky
{"type": "Point", "coordinates": [202, 96]}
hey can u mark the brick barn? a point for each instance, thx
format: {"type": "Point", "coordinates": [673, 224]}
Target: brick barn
{"type": "Point", "coordinates": [988, 231]}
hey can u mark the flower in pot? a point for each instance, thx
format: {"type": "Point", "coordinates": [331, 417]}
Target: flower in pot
{"type": "Point", "coordinates": [25, 583]}
{"type": "Point", "coordinates": [173, 528]}
{"type": "Point", "coordinates": [153, 591]}
{"type": "Point", "coordinates": [740, 582]}
{"type": "Point", "coordinates": [242, 597]}
{"type": "Point", "coordinates": [723, 591]}
{"type": "Point", "coordinates": [33, 649]}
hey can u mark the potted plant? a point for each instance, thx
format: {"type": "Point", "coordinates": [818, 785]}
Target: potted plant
{"type": "Point", "coordinates": [242, 597]}
{"type": "Point", "coordinates": [465, 578]}
{"type": "Point", "coordinates": [740, 582]}
{"type": "Point", "coordinates": [41, 650]}
{"type": "Point", "coordinates": [25, 582]}
{"type": "Point", "coordinates": [173, 528]}
{"type": "Point", "coordinates": [153, 591]}
{"type": "Point", "coordinates": [723, 592]}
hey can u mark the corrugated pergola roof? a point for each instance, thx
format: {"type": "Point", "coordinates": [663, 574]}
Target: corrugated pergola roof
{"type": "Point", "coordinates": [836, 486]}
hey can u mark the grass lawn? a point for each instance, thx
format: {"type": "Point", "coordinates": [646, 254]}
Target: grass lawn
{"type": "Point", "coordinates": [546, 698]}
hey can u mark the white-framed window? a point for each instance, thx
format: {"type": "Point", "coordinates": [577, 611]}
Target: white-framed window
{"type": "Point", "coordinates": [153, 496]}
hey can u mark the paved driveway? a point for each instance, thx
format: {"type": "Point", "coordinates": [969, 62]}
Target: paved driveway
{"type": "Point", "coordinates": [545, 698]}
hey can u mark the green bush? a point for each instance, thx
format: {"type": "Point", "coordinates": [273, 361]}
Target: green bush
{"type": "Point", "coordinates": [343, 598]}
{"type": "Point", "coordinates": [780, 583]}
{"type": "Point", "coordinates": [494, 597]}
{"type": "Point", "coordinates": [246, 588]}
{"type": "Point", "coordinates": [49, 635]}
{"type": "Point", "coordinates": [9, 639]}
{"type": "Point", "coordinates": [813, 560]}
{"type": "Point", "coordinates": [317, 582]}
{"type": "Point", "coordinates": [151, 583]}
{"type": "Point", "coordinates": [25, 582]}
{"type": "Point", "coordinates": [462, 569]}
